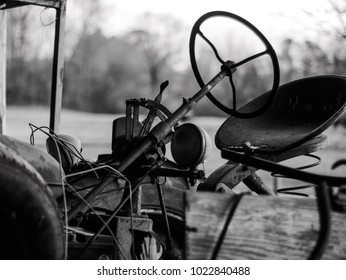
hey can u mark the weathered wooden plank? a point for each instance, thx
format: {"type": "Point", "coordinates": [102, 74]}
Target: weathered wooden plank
{"type": "Point", "coordinates": [3, 31]}
{"type": "Point", "coordinates": [261, 228]}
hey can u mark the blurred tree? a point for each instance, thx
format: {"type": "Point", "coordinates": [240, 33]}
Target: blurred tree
{"type": "Point", "coordinates": [314, 60]}
{"type": "Point", "coordinates": [331, 25]}
{"type": "Point", "coordinates": [28, 71]}
{"type": "Point", "coordinates": [102, 73]}
{"type": "Point", "coordinates": [84, 19]}
{"type": "Point", "coordinates": [307, 58]}
{"type": "Point", "coordinates": [287, 61]}
{"type": "Point", "coordinates": [159, 37]}
{"type": "Point", "coordinates": [338, 10]}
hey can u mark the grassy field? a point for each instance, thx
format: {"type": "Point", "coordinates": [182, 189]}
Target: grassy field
{"type": "Point", "coordinates": [94, 130]}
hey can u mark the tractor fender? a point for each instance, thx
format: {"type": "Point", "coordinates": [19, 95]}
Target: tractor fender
{"type": "Point", "coordinates": [44, 163]}
{"type": "Point", "coordinates": [31, 226]}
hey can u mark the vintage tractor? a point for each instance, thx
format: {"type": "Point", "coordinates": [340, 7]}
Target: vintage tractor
{"type": "Point", "coordinates": [134, 203]}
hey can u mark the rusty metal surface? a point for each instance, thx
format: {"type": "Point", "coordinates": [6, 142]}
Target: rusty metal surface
{"type": "Point", "coordinates": [173, 189]}
{"type": "Point", "coordinates": [124, 226]}
{"type": "Point", "coordinates": [229, 174]}
{"type": "Point", "coordinates": [256, 184]}
{"type": "Point", "coordinates": [302, 110]}
{"type": "Point", "coordinates": [46, 165]}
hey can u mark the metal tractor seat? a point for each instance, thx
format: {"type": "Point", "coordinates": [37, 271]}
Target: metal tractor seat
{"type": "Point", "coordinates": [293, 124]}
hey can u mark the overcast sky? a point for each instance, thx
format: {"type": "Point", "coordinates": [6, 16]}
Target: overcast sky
{"type": "Point", "coordinates": [272, 17]}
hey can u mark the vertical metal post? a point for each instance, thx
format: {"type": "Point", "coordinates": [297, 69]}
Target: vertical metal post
{"type": "Point", "coordinates": [275, 184]}
{"type": "Point", "coordinates": [58, 68]}
{"type": "Point", "coordinates": [3, 36]}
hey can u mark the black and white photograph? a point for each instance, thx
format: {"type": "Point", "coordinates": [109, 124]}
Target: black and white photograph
{"type": "Point", "coordinates": [209, 135]}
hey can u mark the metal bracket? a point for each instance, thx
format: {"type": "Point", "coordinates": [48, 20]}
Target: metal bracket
{"type": "Point", "coordinates": [124, 226]}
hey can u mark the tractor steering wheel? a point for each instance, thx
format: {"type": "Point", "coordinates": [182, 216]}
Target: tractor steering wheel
{"type": "Point", "coordinates": [268, 51]}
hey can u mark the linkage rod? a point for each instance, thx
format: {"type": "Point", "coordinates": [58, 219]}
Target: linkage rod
{"type": "Point", "coordinates": [281, 169]}
{"type": "Point", "coordinates": [157, 134]}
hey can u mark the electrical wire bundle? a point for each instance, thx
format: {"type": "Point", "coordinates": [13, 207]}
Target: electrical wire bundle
{"type": "Point", "coordinates": [81, 171]}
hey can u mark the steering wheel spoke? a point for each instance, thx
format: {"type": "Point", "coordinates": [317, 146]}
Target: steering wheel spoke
{"type": "Point", "coordinates": [200, 33]}
{"type": "Point", "coordinates": [268, 51]}
{"type": "Point", "coordinates": [246, 60]}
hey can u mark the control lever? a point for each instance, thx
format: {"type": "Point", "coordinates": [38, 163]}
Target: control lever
{"type": "Point", "coordinates": [151, 115]}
